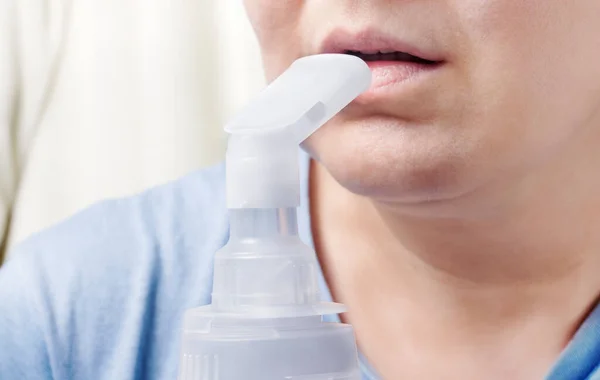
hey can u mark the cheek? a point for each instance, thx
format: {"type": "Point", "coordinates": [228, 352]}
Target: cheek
{"type": "Point", "coordinates": [270, 16]}
{"type": "Point", "coordinates": [533, 70]}
{"type": "Point", "coordinates": [276, 26]}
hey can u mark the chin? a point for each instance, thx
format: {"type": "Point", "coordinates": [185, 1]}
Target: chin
{"type": "Point", "coordinates": [386, 180]}
{"type": "Point", "coordinates": [393, 165]}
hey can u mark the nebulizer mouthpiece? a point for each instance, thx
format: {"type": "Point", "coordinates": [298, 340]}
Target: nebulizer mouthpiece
{"type": "Point", "coordinates": [265, 321]}
{"type": "Point", "coordinates": [262, 162]}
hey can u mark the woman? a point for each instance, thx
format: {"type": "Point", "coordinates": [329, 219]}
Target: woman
{"type": "Point", "coordinates": [453, 207]}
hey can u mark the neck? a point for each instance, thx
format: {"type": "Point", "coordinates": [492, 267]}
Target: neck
{"type": "Point", "coordinates": [529, 263]}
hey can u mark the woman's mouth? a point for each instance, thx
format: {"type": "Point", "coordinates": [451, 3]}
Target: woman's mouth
{"type": "Point", "coordinates": [394, 63]}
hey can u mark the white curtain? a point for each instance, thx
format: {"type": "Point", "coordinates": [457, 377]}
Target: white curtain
{"type": "Point", "coordinates": [102, 99]}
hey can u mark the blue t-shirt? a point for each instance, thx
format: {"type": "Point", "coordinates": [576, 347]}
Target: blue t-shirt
{"type": "Point", "coordinates": [102, 295]}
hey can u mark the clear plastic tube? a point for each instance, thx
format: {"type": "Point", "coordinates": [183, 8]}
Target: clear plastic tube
{"type": "Point", "coordinates": [263, 222]}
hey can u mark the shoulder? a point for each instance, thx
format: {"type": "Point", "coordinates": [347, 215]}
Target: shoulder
{"type": "Point", "coordinates": [130, 266]}
{"type": "Point", "coordinates": [122, 236]}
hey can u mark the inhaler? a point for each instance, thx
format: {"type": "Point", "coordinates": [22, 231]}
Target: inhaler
{"type": "Point", "coordinates": [266, 318]}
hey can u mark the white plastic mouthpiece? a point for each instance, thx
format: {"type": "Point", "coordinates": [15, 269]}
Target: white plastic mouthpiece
{"type": "Point", "coordinates": [262, 162]}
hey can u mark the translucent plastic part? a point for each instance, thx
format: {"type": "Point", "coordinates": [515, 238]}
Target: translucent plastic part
{"type": "Point", "coordinates": [265, 270]}
{"type": "Point", "coordinates": [277, 349]}
{"type": "Point", "coordinates": [262, 163]}
{"type": "Point", "coordinates": [265, 320]}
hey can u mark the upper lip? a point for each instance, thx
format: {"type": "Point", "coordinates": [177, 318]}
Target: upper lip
{"type": "Point", "coordinates": [372, 41]}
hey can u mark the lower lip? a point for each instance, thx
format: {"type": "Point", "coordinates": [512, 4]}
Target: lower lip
{"type": "Point", "coordinates": [390, 74]}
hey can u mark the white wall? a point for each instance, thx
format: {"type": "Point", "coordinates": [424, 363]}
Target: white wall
{"type": "Point", "coordinates": [121, 95]}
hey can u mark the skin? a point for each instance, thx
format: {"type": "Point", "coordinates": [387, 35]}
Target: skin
{"type": "Point", "coordinates": [457, 216]}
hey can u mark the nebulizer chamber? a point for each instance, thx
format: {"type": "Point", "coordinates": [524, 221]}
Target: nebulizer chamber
{"type": "Point", "coordinates": [265, 321]}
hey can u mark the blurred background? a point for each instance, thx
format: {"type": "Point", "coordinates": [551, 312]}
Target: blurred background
{"type": "Point", "coordinates": [102, 99]}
